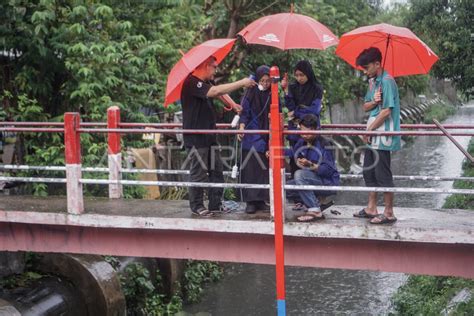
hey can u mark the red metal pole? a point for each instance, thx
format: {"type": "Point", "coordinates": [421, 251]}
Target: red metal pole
{"type": "Point", "coordinates": [276, 187]}
{"type": "Point", "coordinates": [72, 142]}
{"type": "Point", "coordinates": [115, 154]}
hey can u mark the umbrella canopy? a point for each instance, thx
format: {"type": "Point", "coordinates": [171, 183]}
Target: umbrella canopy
{"type": "Point", "coordinates": [403, 53]}
{"type": "Point", "coordinates": [219, 48]}
{"type": "Point", "coordinates": [289, 31]}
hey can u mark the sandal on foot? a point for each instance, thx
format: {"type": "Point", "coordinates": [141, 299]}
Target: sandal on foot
{"type": "Point", "coordinates": [299, 207]}
{"type": "Point", "coordinates": [223, 209]}
{"type": "Point", "coordinates": [310, 217]}
{"type": "Point", "coordinates": [382, 219]}
{"type": "Point", "coordinates": [326, 205]}
{"type": "Point", "coordinates": [363, 214]}
{"type": "Point", "coordinates": [202, 212]}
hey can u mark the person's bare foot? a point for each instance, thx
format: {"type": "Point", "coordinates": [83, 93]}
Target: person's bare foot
{"type": "Point", "coordinates": [310, 217]}
{"type": "Point", "coordinates": [373, 212]}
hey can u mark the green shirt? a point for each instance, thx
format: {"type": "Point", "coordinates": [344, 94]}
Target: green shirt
{"type": "Point", "coordinates": [390, 99]}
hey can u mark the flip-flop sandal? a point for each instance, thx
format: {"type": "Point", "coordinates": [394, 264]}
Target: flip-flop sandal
{"type": "Point", "coordinates": [299, 207]}
{"type": "Point", "coordinates": [363, 214]}
{"type": "Point", "coordinates": [309, 218]}
{"type": "Point", "coordinates": [202, 212]}
{"type": "Point", "coordinates": [384, 220]}
{"type": "Point", "coordinates": [223, 209]}
{"type": "Point", "coordinates": [326, 206]}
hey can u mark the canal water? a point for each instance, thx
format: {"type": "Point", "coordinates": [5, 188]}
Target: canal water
{"type": "Point", "coordinates": [248, 289]}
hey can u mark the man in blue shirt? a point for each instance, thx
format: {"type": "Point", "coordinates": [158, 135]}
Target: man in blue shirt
{"type": "Point", "coordinates": [317, 166]}
{"type": "Point", "coordinates": [383, 103]}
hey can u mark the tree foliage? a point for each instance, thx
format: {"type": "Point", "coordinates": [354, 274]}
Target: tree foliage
{"type": "Point", "coordinates": [74, 55]}
{"type": "Point", "coordinates": [447, 27]}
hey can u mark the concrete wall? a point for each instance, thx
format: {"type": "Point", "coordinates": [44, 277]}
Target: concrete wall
{"type": "Point", "coordinates": [443, 87]}
{"type": "Point", "coordinates": [11, 263]}
{"type": "Point", "coordinates": [351, 111]}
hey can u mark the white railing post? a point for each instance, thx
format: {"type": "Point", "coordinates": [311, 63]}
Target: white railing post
{"type": "Point", "coordinates": [72, 142]}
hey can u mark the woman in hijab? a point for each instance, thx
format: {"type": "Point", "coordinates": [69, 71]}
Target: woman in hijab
{"type": "Point", "coordinates": [254, 163]}
{"type": "Point", "coordinates": [302, 97]}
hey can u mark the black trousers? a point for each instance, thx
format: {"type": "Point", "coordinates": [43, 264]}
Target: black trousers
{"type": "Point", "coordinates": [254, 170]}
{"type": "Point", "coordinates": [377, 171]}
{"type": "Point", "coordinates": [205, 165]}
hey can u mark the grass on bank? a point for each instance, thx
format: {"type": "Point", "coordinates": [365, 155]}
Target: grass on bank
{"type": "Point", "coordinates": [440, 111]}
{"type": "Point", "coordinates": [463, 201]}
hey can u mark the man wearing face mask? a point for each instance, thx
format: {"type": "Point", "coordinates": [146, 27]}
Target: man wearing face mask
{"type": "Point", "coordinates": [254, 168]}
{"type": "Point", "coordinates": [203, 150]}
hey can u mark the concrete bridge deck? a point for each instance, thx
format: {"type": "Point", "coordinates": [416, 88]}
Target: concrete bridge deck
{"type": "Point", "coordinates": [417, 243]}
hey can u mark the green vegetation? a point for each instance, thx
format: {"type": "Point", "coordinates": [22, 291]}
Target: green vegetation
{"type": "Point", "coordinates": [23, 279]}
{"type": "Point", "coordinates": [463, 201]}
{"type": "Point", "coordinates": [19, 280]}
{"type": "Point", "coordinates": [230, 194]}
{"type": "Point", "coordinates": [446, 27]}
{"type": "Point", "coordinates": [439, 111]}
{"type": "Point", "coordinates": [196, 275]}
{"type": "Point", "coordinates": [145, 296]}
{"type": "Point", "coordinates": [427, 295]}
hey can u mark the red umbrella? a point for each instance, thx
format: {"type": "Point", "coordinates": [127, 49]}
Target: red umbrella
{"type": "Point", "coordinates": [219, 48]}
{"type": "Point", "coordinates": [289, 31]}
{"type": "Point", "coordinates": [403, 52]}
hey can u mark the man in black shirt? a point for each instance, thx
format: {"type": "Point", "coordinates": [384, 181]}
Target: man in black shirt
{"type": "Point", "coordinates": [203, 150]}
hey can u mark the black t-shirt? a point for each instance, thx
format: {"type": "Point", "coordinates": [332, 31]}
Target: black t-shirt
{"type": "Point", "coordinates": [198, 112]}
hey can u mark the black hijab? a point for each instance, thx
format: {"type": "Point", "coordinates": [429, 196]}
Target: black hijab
{"type": "Point", "coordinates": [305, 94]}
{"type": "Point", "coordinates": [260, 100]}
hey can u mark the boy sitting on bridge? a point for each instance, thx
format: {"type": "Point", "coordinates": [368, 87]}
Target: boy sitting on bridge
{"type": "Point", "coordinates": [316, 167]}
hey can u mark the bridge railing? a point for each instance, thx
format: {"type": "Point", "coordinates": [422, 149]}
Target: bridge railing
{"type": "Point", "coordinates": [114, 128]}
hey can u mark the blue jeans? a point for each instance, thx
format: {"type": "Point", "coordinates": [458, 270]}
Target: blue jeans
{"type": "Point", "coordinates": [306, 177]}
